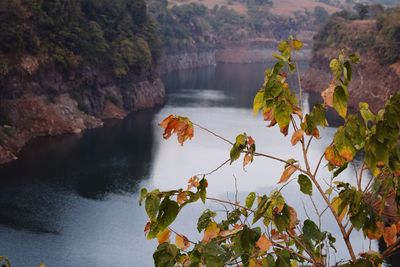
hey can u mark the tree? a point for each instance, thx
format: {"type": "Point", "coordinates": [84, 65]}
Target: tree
{"type": "Point", "coordinates": [264, 230]}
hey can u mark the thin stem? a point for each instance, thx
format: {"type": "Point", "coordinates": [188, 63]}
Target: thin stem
{"type": "Point", "coordinates": [216, 169]}
{"type": "Point", "coordinates": [319, 164]}
{"type": "Point", "coordinates": [321, 191]}
{"type": "Point", "coordinates": [211, 132]}
{"type": "Point", "coordinates": [281, 160]}
{"type": "Point", "coordinates": [229, 202]}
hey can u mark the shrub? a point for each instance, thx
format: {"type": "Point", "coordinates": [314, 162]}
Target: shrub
{"type": "Point", "coordinates": [264, 230]}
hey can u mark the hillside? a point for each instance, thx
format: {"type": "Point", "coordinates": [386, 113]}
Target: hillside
{"type": "Point", "coordinates": [65, 64]}
{"type": "Point", "coordinates": [376, 39]}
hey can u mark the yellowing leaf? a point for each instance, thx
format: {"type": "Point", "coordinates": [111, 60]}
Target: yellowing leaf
{"type": "Point", "coordinates": [211, 232]}
{"type": "Point", "coordinates": [332, 155]}
{"type": "Point", "coordinates": [182, 242]}
{"type": "Point", "coordinates": [390, 235]}
{"type": "Point", "coordinates": [263, 243]}
{"type": "Point", "coordinates": [287, 173]}
{"type": "Point", "coordinates": [336, 201]}
{"type": "Point", "coordinates": [42, 265]}
{"type": "Point", "coordinates": [163, 236]}
{"type": "Point", "coordinates": [258, 102]}
{"type": "Point", "coordinates": [297, 44]}
{"type": "Point", "coordinates": [374, 235]}
{"type": "Point", "coordinates": [327, 94]}
{"type": "Point", "coordinates": [296, 137]}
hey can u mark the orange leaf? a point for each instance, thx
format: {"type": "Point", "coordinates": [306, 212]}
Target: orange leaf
{"type": "Point", "coordinates": [250, 141]}
{"type": "Point", "coordinates": [327, 94]}
{"type": "Point", "coordinates": [269, 114]}
{"type": "Point", "coordinates": [292, 218]}
{"type": "Point", "coordinates": [182, 126]}
{"type": "Point", "coordinates": [163, 236]}
{"type": "Point", "coordinates": [298, 112]}
{"type": "Point", "coordinates": [287, 173]}
{"type": "Point", "coordinates": [390, 235]}
{"type": "Point", "coordinates": [181, 198]}
{"type": "Point", "coordinates": [332, 155]}
{"type": "Point", "coordinates": [296, 137]}
{"type": "Point", "coordinates": [193, 182]}
{"type": "Point", "coordinates": [246, 159]}
{"type": "Point", "coordinates": [182, 242]}
{"type": "Point", "coordinates": [211, 232]}
{"type": "Point", "coordinates": [229, 232]}
{"type": "Point", "coordinates": [263, 243]}
{"type": "Point", "coordinates": [147, 228]}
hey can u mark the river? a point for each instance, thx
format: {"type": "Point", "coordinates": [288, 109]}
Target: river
{"type": "Point", "coordinates": [72, 200]}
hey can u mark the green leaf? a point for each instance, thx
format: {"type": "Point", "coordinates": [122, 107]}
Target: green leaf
{"type": "Point", "coordinates": [311, 230]}
{"type": "Point", "coordinates": [258, 102]}
{"type": "Point", "coordinates": [282, 113]}
{"type": "Point", "coordinates": [340, 170]}
{"type": "Point", "coordinates": [205, 219]}
{"type": "Point", "coordinates": [305, 184]}
{"type": "Point", "coordinates": [348, 74]}
{"type": "Point", "coordinates": [283, 46]}
{"type": "Point", "coordinates": [358, 220]}
{"type": "Point", "coordinates": [203, 189]}
{"type": "Point", "coordinates": [143, 193]}
{"type": "Point", "coordinates": [250, 200]}
{"type": "Point", "coordinates": [261, 208]}
{"type": "Point", "coordinates": [282, 220]}
{"type": "Point", "coordinates": [366, 114]}
{"type": "Point", "coordinates": [152, 204]}
{"type": "Point", "coordinates": [340, 99]}
{"type": "Point", "coordinates": [355, 58]}
{"type": "Point", "coordinates": [336, 68]}
{"type": "Point", "coordinates": [167, 213]}
{"type": "Point", "coordinates": [165, 255]}
{"type": "Point", "coordinates": [234, 153]}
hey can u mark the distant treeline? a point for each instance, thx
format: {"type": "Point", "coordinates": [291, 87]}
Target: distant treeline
{"type": "Point", "coordinates": [114, 33]}
{"type": "Point", "coordinates": [190, 25]}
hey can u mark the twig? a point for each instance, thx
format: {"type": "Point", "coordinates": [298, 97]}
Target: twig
{"type": "Point", "coordinates": [216, 169]}
{"type": "Point", "coordinates": [211, 132]}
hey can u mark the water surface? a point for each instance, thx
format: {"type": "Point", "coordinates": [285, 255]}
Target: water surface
{"type": "Point", "coordinates": [72, 200]}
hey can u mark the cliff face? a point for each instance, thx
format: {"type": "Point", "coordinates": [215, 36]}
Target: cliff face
{"type": "Point", "coordinates": [376, 77]}
{"type": "Point", "coordinates": [44, 101]}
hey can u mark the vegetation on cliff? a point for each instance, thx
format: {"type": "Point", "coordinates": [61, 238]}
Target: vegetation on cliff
{"type": "Point", "coordinates": [73, 34]}
{"type": "Point", "coordinates": [382, 33]}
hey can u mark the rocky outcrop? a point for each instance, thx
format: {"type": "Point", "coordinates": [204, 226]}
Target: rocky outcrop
{"type": "Point", "coordinates": [44, 101]}
{"type": "Point", "coordinates": [186, 60]}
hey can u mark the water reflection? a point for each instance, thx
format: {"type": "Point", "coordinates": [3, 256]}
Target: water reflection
{"type": "Point", "coordinates": [91, 165]}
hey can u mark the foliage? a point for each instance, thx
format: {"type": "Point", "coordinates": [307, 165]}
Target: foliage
{"type": "Point", "coordinates": [112, 33]}
{"type": "Point", "coordinates": [383, 37]}
{"type": "Point", "coordinates": [265, 230]}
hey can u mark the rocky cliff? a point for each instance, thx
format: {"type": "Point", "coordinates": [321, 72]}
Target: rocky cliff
{"type": "Point", "coordinates": [44, 101]}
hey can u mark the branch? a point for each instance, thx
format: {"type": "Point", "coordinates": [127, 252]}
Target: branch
{"type": "Point", "coordinates": [211, 132]}
{"type": "Point", "coordinates": [216, 169]}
